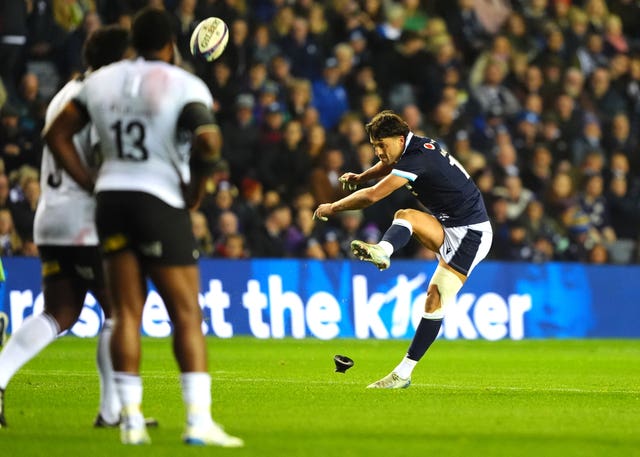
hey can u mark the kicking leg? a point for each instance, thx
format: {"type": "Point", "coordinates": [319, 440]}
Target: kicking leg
{"type": "Point", "coordinates": [398, 235]}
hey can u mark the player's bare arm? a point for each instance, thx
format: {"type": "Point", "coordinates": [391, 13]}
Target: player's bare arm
{"type": "Point", "coordinates": [361, 198]}
{"type": "Point", "coordinates": [205, 153]}
{"type": "Point", "coordinates": [59, 137]}
{"type": "Point", "coordinates": [379, 170]}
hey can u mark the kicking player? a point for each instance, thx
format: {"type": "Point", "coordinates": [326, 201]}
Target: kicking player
{"type": "Point", "coordinates": [159, 143]}
{"type": "Point", "coordinates": [67, 240]}
{"type": "Point", "coordinates": [457, 228]}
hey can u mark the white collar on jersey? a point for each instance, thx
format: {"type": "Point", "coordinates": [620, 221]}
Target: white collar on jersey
{"type": "Point", "coordinates": [406, 143]}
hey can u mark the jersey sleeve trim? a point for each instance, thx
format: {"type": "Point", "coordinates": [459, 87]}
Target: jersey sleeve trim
{"type": "Point", "coordinates": [404, 174]}
{"type": "Point", "coordinates": [207, 128]}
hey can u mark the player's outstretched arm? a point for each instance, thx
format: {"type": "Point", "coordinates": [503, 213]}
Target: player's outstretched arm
{"type": "Point", "coordinates": [361, 198]}
{"type": "Point", "coordinates": [351, 180]}
{"type": "Point", "coordinates": [59, 137]}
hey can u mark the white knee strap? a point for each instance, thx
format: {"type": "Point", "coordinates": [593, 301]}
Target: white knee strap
{"type": "Point", "coordinates": [448, 286]}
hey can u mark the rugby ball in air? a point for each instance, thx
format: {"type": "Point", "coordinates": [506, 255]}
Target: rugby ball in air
{"type": "Point", "coordinates": [209, 39]}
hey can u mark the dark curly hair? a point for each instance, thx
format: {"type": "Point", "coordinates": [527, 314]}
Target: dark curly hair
{"type": "Point", "coordinates": [386, 124]}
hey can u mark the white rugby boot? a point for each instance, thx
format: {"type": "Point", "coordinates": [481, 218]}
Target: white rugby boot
{"type": "Point", "coordinates": [391, 381]}
{"type": "Point", "coordinates": [210, 435]}
{"type": "Point", "coordinates": [371, 253]}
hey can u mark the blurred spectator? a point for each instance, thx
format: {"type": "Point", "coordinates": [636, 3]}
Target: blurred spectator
{"type": "Point", "coordinates": [591, 55]}
{"type": "Point", "coordinates": [184, 23]}
{"type": "Point", "coordinates": [202, 234]}
{"type": "Point", "coordinates": [70, 14]}
{"type": "Point", "coordinates": [604, 99]}
{"type": "Point", "coordinates": [527, 134]}
{"type": "Point", "coordinates": [249, 207]}
{"type": "Point", "coordinates": [10, 241]}
{"type": "Point", "coordinates": [519, 36]}
{"type": "Point", "coordinates": [4, 191]}
{"type": "Point", "coordinates": [624, 206]}
{"type": "Point", "coordinates": [506, 162]}
{"type": "Point", "coordinates": [241, 139]}
{"type": "Point", "coordinates": [329, 95]}
{"type": "Point", "coordinates": [491, 97]}
{"type": "Point", "coordinates": [267, 240]}
{"type": "Point", "coordinates": [539, 226]}
{"type": "Point", "coordinates": [17, 147]}
{"type": "Point", "coordinates": [45, 41]}
{"type": "Point", "coordinates": [280, 73]}
{"type": "Point", "coordinates": [350, 135]}
{"type": "Point", "coordinates": [304, 52]}
{"type": "Point", "coordinates": [286, 166]}
{"type": "Point", "coordinates": [317, 144]}
{"type": "Point", "coordinates": [596, 207]}
{"type": "Point", "coordinates": [13, 39]}
{"type": "Point", "coordinates": [214, 205]}
{"type": "Point", "coordinates": [70, 64]}
{"type": "Point", "coordinates": [536, 176]}
{"type": "Point", "coordinates": [620, 139]}
{"type": "Point", "coordinates": [589, 140]}
{"type": "Point", "coordinates": [597, 12]}
{"type": "Point", "coordinates": [614, 40]}
{"type": "Point", "coordinates": [396, 75]}
{"type": "Point", "coordinates": [560, 196]}
{"type": "Point", "coordinates": [501, 230]}
{"type": "Point", "coordinates": [238, 50]}
{"type": "Point", "coordinates": [354, 227]}
{"type": "Point", "coordinates": [226, 88]}
{"type": "Point", "coordinates": [598, 254]}
{"type": "Point", "coordinates": [228, 224]}
{"type": "Point", "coordinates": [32, 108]}
{"type": "Point", "coordinates": [469, 33]}
{"type": "Point", "coordinates": [234, 247]}
{"type": "Point", "coordinates": [24, 210]}
{"type": "Point", "coordinates": [518, 248]}
{"type": "Point", "coordinates": [576, 33]}
{"type": "Point", "coordinates": [268, 97]}
{"type": "Point", "coordinates": [518, 197]}
{"type": "Point", "coordinates": [303, 237]}
{"type": "Point", "coordinates": [263, 49]}
{"type": "Point", "coordinates": [298, 97]}
{"type": "Point", "coordinates": [324, 178]}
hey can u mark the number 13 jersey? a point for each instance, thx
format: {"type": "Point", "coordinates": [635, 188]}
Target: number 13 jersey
{"type": "Point", "coordinates": [135, 106]}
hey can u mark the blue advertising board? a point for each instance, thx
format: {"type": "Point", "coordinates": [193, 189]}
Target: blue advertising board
{"type": "Point", "coordinates": [351, 299]}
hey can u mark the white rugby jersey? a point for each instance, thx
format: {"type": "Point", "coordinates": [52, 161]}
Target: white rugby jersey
{"type": "Point", "coordinates": [65, 212]}
{"type": "Point", "coordinates": [134, 106]}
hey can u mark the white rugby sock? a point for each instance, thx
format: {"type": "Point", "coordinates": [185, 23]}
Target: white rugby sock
{"type": "Point", "coordinates": [129, 387]}
{"type": "Point", "coordinates": [109, 401]}
{"type": "Point", "coordinates": [405, 368]}
{"type": "Point", "coordinates": [36, 333]}
{"type": "Point", "coordinates": [196, 393]}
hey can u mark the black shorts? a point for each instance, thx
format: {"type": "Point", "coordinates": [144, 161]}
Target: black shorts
{"type": "Point", "coordinates": [157, 232]}
{"type": "Point", "coordinates": [79, 263]}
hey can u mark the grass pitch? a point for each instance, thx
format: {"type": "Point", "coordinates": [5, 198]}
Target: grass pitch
{"type": "Point", "coordinates": [468, 398]}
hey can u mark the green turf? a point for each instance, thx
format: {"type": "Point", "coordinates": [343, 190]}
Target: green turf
{"type": "Point", "coordinates": [468, 398]}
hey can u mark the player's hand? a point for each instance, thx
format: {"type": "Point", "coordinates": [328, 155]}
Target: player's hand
{"type": "Point", "coordinates": [323, 212]}
{"type": "Point", "coordinates": [349, 181]}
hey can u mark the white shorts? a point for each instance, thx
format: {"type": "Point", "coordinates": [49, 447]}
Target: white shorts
{"type": "Point", "coordinates": [465, 246]}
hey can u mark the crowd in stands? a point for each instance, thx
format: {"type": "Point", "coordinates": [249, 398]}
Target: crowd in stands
{"type": "Point", "coordinates": [538, 99]}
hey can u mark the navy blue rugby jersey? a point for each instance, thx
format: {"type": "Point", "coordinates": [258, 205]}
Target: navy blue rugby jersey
{"type": "Point", "coordinates": [440, 183]}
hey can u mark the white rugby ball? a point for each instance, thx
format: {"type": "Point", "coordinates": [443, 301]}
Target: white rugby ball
{"type": "Point", "coordinates": [209, 39]}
